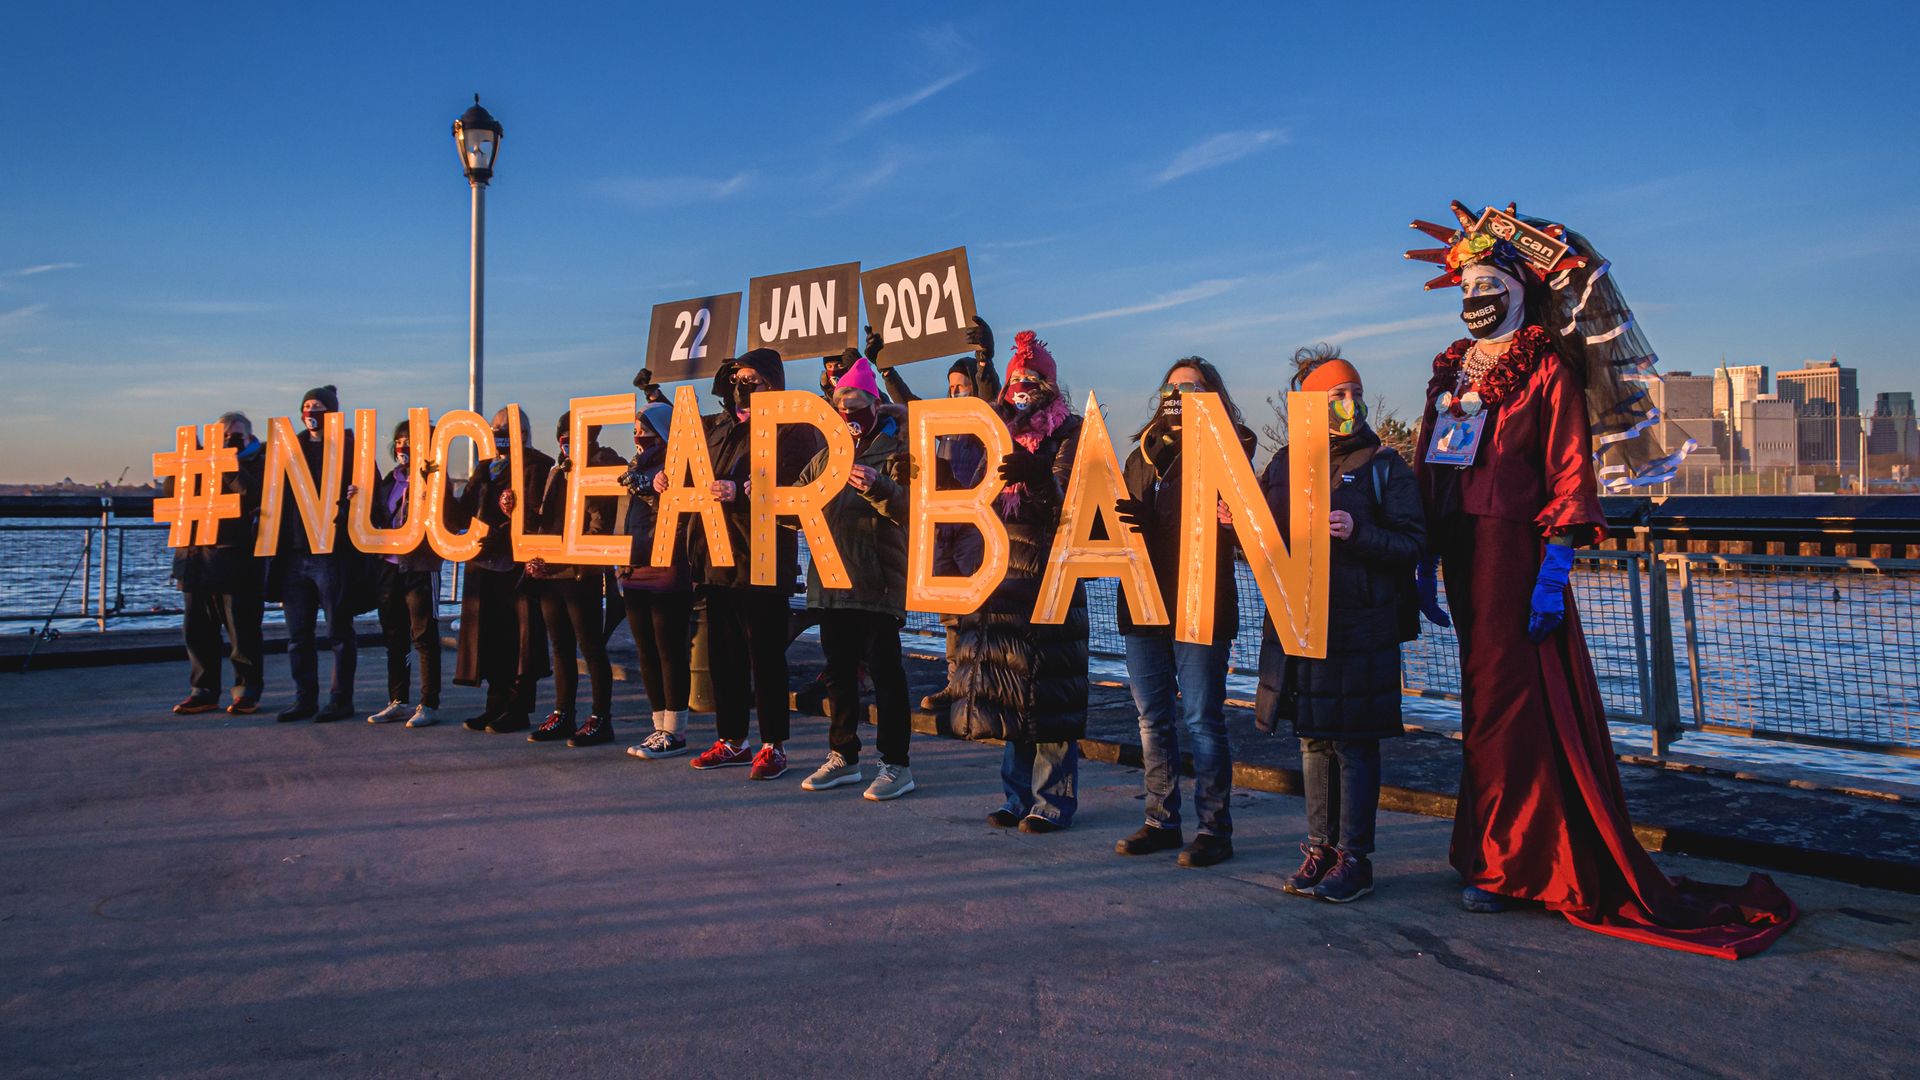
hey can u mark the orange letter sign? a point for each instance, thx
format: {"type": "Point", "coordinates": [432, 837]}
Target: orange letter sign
{"type": "Point", "coordinates": [768, 500]}
{"type": "Point", "coordinates": [1293, 581]}
{"type": "Point", "coordinates": [319, 504]}
{"type": "Point", "coordinates": [927, 422]}
{"type": "Point", "coordinates": [687, 449]}
{"type": "Point", "coordinates": [1095, 486]}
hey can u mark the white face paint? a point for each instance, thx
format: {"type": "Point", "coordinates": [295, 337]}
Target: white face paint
{"type": "Point", "coordinates": [1483, 279]}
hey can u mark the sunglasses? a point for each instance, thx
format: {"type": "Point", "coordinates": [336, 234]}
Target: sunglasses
{"type": "Point", "coordinates": [1175, 389]}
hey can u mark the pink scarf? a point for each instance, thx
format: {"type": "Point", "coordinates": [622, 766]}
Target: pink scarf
{"type": "Point", "coordinates": [1030, 435]}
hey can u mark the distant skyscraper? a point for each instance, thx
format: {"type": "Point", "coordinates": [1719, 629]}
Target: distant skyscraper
{"type": "Point", "coordinates": [1827, 398]}
{"type": "Point", "coordinates": [1893, 431]}
{"type": "Point", "coordinates": [1733, 386]}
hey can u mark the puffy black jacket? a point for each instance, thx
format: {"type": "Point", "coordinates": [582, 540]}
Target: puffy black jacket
{"type": "Point", "coordinates": [1156, 483]}
{"type": "Point", "coordinates": [1016, 679]}
{"type": "Point", "coordinates": [1354, 693]}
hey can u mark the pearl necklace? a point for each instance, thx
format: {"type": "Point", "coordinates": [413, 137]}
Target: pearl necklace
{"type": "Point", "coordinates": [1481, 359]}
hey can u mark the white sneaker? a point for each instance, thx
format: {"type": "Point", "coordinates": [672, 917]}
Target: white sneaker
{"type": "Point", "coordinates": [891, 782]}
{"type": "Point", "coordinates": [422, 717]}
{"type": "Point", "coordinates": [836, 772]}
{"type": "Point", "coordinates": [395, 710]}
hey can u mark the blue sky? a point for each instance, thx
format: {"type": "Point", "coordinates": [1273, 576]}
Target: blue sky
{"type": "Point", "coordinates": [207, 206]}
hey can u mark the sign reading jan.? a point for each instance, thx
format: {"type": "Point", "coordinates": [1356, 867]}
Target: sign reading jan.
{"type": "Point", "coordinates": [1542, 250]}
{"type": "Point", "coordinates": [689, 338]}
{"type": "Point", "coordinates": [805, 313]}
{"type": "Point", "coordinates": [922, 307]}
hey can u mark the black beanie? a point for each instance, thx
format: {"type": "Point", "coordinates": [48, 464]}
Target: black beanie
{"type": "Point", "coordinates": [325, 395]}
{"type": "Point", "coordinates": [767, 363]}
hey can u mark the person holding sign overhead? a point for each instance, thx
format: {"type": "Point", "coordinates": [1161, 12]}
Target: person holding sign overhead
{"type": "Point", "coordinates": [1180, 684]}
{"type": "Point", "coordinates": [748, 622]}
{"type": "Point", "coordinates": [1015, 680]}
{"type": "Point", "coordinates": [1341, 706]}
{"type": "Point", "coordinates": [862, 623]}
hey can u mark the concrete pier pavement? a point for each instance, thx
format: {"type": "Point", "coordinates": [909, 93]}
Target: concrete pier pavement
{"type": "Point", "coordinates": [215, 896]}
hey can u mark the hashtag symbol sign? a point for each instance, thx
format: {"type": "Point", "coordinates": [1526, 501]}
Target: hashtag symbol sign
{"type": "Point", "coordinates": [197, 466]}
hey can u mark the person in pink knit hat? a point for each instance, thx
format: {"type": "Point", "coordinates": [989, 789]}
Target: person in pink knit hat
{"type": "Point", "coordinates": [1015, 680]}
{"type": "Point", "coordinates": [862, 623]}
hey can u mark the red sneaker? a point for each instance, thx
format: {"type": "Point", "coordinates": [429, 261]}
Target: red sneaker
{"type": "Point", "coordinates": [721, 754]}
{"type": "Point", "coordinates": [769, 763]}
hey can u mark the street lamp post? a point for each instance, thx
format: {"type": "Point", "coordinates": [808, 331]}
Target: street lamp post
{"type": "Point", "coordinates": [477, 136]}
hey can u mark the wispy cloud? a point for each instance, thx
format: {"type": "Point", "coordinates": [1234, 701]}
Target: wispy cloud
{"type": "Point", "coordinates": [44, 268]}
{"type": "Point", "coordinates": [19, 317]}
{"type": "Point", "coordinates": [204, 307]}
{"type": "Point", "coordinates": [894, 106]}
{"type": "Point", "coordinates": [654, 192]}
{"type": "Point", "coordinates": [1397, 326]}
{"type": "Point", "coordinates": [1217, 150]}
{"type": "Point", "coordinates": [1199, 290]}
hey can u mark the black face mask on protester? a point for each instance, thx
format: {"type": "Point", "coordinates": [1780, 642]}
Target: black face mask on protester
{"type": "Point", "coordinates": [859, 420]}
{"type": "Point", "coordinates": [237, 441]}
{"type": "Point", "coordinates": [1483, 314]}
{"type": "Point", "coordinates": [743, 395]}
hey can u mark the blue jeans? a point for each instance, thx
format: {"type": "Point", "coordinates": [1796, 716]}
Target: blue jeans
{"type": "Point", "coordinates": [313, 585]}
{"type": "Point", "coordinates": [1040, 778]}
{"type": "Point", "coordinates": [1178, 679]}
{"type": "Point", "coordinates": [1342, 801]}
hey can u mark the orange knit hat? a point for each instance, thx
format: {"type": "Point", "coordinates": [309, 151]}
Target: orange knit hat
{"type": "Point", "coordinates": [1330, 374]}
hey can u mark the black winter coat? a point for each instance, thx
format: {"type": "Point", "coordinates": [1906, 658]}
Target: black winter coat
{"type": "Point", "coordinates": [643, 512]}
{"type": "Point", "coordinates": [1156, 483]}
{"type": "Point", "coordinates": [480, 500]}
{"type": "Point", "coordinates": [1354, 693]}
{"type": "Point", "coordinates": [228, 564]}
{"type": "Point", "coordinates": [1016, 679]}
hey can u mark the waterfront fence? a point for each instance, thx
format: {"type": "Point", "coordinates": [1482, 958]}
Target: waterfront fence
{"type": "Point", "coordinates": [1818, 649]}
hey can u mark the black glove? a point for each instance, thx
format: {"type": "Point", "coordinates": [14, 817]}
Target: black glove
{"type": "Point", "coordinates": [1133, 514]}
{"type": "Point", "coordinates": [1022, 466]}
{"type": "Point", "coordinates": [980, 336]}
{"type": "Point", "coordinates": [874, 345]}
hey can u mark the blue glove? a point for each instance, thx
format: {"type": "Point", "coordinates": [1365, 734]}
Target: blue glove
{"type": "Point", "coordinates": [1550, 593]}
{"type": "Point", "coordinates": [1425, 579]}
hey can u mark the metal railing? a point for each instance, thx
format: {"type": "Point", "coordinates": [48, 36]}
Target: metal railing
{"type": "Point", "coordinates": [1810, 648]}
{"type": "Point", "coordinates": [105, 573]}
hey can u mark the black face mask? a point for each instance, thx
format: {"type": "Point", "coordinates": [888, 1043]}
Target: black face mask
{"type": "Point", "coordinates": [743, 395]}
{"type": "Point", "coordinates": [1483, 314]}
{"type": "Point", "coordinates": [237, 441]}
{"type": "Point", "coordinates": [860, 421]}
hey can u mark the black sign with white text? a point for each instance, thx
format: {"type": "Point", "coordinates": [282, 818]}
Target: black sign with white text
{"type": "Point", "coordinates": [689, 338]}
{"type": "Point", "coordinates": [805, 313]}
{"type": "Point", "coordinates": [921, 308]}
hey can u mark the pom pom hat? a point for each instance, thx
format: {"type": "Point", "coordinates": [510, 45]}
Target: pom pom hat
{"type": "Point", "coordinates": [1030, 357]}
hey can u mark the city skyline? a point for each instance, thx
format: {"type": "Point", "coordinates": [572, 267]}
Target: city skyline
{"type": "Point", "coordinates": [290, 213]}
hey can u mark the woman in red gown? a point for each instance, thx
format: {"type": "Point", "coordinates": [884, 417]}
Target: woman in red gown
{"type": "Point", "coordinates": [1520, 423]}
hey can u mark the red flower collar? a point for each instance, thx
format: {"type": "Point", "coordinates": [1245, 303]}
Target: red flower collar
{"type": "Point", "coordinates": [1506, 376]}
